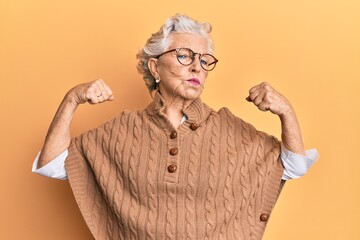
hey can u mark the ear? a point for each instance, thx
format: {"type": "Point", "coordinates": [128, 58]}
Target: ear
{"type": "Point", "coordinates": [152, 65]}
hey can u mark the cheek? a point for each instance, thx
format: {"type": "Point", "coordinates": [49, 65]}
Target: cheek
{"type": "Point", "coordinates": [176, 71]}
{"type": "Point", "coordinates": [206, 74]}
{"type": "Point", "coordinates": [171, 70]}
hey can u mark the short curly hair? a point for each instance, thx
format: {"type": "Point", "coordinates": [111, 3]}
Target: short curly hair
{"type": "Point", "coordinates": [159, 42]}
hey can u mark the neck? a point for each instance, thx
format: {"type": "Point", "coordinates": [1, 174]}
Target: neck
{"type": "Point", "coordinates": [174, 116]}
{"type": "Point", "coordinates": [174, 109]}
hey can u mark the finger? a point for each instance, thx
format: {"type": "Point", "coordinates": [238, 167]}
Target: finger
{"type": "Point", "coordinates": [254, 91]}
{"type": "Point", "coordinates": [264, 106]}
{"type": "Point", "coordinates": [259, 98]}
{"type": "Point", "coordinates": [93, 94]}
{"type": "Point", "coordinates": [107, 91]}
{"type": "Point", "coordinates": [104, 89]}
{"type": "Point", "coordinates": [254, 88]}
{"type": "Point", "coordinates": [93, 99]}
{"type": "Point", "coordinates": [100, 91]}
{"type": "Point", "coordinates": [253, 95]}
{"type": "Point", "coordinates": [101, 98]}
{"type": "Point", "coordinates": [263, 87]}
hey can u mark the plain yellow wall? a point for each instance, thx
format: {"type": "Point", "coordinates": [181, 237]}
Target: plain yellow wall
{"type": "Point", "coordinates": [308, 49]}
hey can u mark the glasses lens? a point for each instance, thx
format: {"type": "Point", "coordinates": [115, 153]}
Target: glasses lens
{"type": "Point", "coordinates": [208, 62]}
{"type": "Point", "coordinates": [185, 56]}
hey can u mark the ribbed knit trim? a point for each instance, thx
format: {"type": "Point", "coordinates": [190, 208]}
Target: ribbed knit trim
{"type": "Point", "coordinates": [197, 112]}
{"type": "Point", "coordinates": [78, 177]}
{"type": "Point", "coordinates": [272, 187]}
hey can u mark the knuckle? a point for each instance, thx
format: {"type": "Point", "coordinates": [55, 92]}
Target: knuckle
{"type": "Point", "coordinates": [267, 97]}
{"type": "Point", "coordinates": [96, 82]}
{"type": "Point", "coordinates": [267, 87]}
{"type": "Point", "coordinates": [91, 88]}
{"type": "Point", "coordinates": [87, 95]}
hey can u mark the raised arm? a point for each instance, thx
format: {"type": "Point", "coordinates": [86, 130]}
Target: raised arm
{"type": "Point", "coordinates": [58, 136]}
{"type": "Point", "coordinates": [266, 98]}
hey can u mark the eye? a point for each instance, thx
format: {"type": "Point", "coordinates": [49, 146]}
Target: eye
{"type": "Point", "coordinates": [183, 56]}
{"type": "Point", "coordinates": [203, 62]}
{"type": "Point", "coordinates": [207, 60]}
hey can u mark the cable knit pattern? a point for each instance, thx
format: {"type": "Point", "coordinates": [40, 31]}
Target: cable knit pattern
{"type": "Point", "coordinates": [230, 155]}
{"type": "Point", "coordinates": [171, 212]}
{"type": "Point", "coordinates": [191, 188]}
{"type": "Point", "coordinates": [213, 178]}
{"type": "Point", "coordinates": [151, 177]}
{"type": "Point", "coordinates": [221, 181]}
{"type": "Point", "coordinates": [119, 183]}
{"type": "Point", "coordinates": [133, 175]}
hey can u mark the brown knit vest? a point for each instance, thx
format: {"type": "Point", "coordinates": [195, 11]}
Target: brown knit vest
{"type": "Point", "coordinates": [215, 177]}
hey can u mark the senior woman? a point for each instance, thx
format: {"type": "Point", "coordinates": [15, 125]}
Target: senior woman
{"type": "Point", "coordinates": [177, 169]}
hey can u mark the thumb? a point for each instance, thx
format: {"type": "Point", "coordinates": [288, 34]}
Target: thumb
{"type": "Point", "coordinates": [111, 98]}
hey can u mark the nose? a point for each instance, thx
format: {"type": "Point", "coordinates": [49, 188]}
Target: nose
{"type": "Point", "coordinates": [195, 65]}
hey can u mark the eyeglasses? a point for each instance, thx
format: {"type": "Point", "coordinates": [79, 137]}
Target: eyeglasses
{"type": "Point", "coordinates": [186, 56]}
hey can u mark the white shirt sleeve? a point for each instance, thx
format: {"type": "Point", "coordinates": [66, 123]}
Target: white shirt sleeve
{"type": "Point", "coordinates": [296, 165]}
{"type": "Point", "coordinates": [54, 169]}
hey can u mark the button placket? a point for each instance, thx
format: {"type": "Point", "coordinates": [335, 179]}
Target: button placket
{"type": "Point", "coordinates": [172, 163]}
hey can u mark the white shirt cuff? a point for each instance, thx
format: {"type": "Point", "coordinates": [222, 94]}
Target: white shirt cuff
{"type": "Point", "coordinates": [296, 165]}
{"type": "Point", "coordinates": [53, 169]}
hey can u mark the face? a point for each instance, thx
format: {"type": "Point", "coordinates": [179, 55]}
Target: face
{"type": "Point", "coordinates": [178, 81]}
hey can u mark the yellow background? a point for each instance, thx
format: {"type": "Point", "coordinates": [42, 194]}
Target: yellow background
{"type": "Point", "coordinates": [309, 50]}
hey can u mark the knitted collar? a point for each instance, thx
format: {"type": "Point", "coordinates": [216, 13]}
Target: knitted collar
{"type": "Point", "coordinates": [197, 111]}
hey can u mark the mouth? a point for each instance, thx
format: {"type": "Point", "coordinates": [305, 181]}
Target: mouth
{"type": "Point", "coordinates": [194, 81]}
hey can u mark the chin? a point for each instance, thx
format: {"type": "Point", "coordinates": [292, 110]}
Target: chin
{"type": "Point", "coordinates": [192, 94]}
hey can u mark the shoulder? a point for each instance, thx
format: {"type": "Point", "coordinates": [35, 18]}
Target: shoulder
{"type": "Point", "coordinates": [227, 117]}
{"type": "Point", "coordinates": [225, 114]}
{"type": "Point", "coordinates": [122, 120]}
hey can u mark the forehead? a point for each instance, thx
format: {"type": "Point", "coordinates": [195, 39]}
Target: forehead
{"type": "Point", "coordinates": [194, 41]}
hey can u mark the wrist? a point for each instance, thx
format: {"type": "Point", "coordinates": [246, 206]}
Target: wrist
{"type": "Point", "coordinates": [288, 113]}
{"type": "Point", "coordinates": [71, 99]}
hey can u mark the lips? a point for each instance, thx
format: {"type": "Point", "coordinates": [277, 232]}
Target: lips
{"type": "Point", "coordinates": [194, 81]}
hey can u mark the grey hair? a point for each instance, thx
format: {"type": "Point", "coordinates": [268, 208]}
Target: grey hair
{"type": "Point", "coordinates": [159, 42]}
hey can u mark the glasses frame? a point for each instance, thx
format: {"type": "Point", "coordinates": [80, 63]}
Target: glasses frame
{"type": "Point", "coordinates": [192, 58]}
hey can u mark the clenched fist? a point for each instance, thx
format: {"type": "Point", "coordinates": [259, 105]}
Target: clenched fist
{"type": "Point", "coordinates": [93, 92]}
{"type": "Point", "coordinates": [266, 98]}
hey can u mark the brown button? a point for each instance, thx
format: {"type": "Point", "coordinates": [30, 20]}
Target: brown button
{"type": "Point", "coordinates": [173, 151]}
{"type": "Point", "coordinates": [264, 217]}
{"type": "Point", "coordinates": [173, 135]}
{"type": "Point", "coordinates": [172, 168]}
{"type": "Point", "coordinates": [193, 126]}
